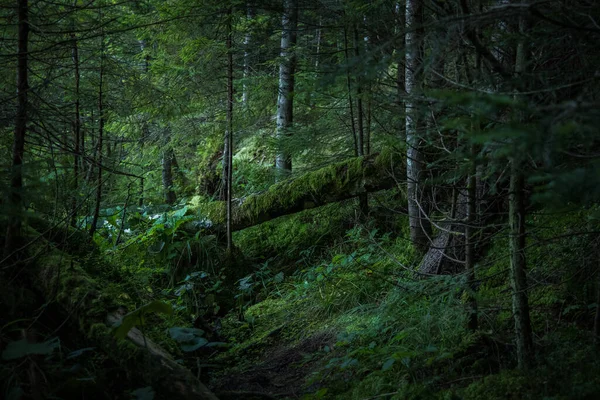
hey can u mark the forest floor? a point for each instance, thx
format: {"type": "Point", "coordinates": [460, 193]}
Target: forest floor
{"type": "Point", "coordinates": [340, 318]}
{"type": "Point", "coordinates": [280, 371]}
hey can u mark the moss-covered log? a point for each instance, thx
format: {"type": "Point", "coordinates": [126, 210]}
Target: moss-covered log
{"type": "Point", "coordinates": [62, 279]}
{"type": "Point", "coordinates": [334, 183]}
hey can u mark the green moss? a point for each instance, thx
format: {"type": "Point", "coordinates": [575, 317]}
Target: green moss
{"type": "Point", "coordinates": [331, 180]}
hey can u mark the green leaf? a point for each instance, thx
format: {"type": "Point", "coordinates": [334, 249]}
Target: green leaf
{"type": "Point", "coordinates": [278, 278]}
{"type": "Point", "coordinates": [180, 213]}
{"type": "Point", "coordinates": [388, 364]}
{"type": "Point", "coordinates": [79, 352]}
{"type": "Point", "coordinates": [217, 344]}
{"type": "Point", "coordinates": [183, 335]}
{"type": "Point", "coordinates": [135, 317]}
{"type": "Point", "coordinates": [197, 343]}
{"type": "Point", "coordinates": [145, 393]}
{"type": "Point", "coordinates": [22, 348]}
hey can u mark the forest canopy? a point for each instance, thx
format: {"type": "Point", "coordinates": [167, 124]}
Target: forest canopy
{"type": "Point", "coordinates": [315, 199]}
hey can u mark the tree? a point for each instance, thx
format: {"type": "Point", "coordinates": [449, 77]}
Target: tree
{"type": "Point", "coordinates": [418, 220]}
{"type": "Point", "coordinates": [100, 141]}
{"type": "Point", "coordinates": [13, 231]}
{"type": "Point", "coordinates": [228, 154]}
{"type": "Point", "coordinates": [517, 222]}
{"type": "Point", "coordinates": [287, 70]}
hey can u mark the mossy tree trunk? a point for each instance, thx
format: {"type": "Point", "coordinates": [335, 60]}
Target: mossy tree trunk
{"type": "Point", "coordinates": [63, 280]}
{"type": "Point", "coordinates": [338, 182]}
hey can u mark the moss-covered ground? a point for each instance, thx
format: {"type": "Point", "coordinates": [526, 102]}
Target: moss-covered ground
{"type": "Point", "coordinates": [319, 305]}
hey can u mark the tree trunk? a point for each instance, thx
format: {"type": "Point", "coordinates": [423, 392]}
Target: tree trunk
{"type": "Point", "coordinates": [350, 101]}
{"type": "Point", "coordinates": [518, 263]}
{"type": "Point", "coordinates": [100, 139]}
{"type": "Point", "coordinates": [247, 43]}
{"type": "Point", "coordinates": [229, 131]}
{"type": "Point", "coordinates": [470, 241]}
{"type": "Point", "coordinates": [363, 199]}
{"type": "Point", "coordinates": [597, 316]}
{"type": "Point", "coordinates": [167, 176]}
{"type": "Point", "coordinates": [15, 201]}
{"type": "Point", "coordinates": [76, 131]}
{"type": "Point", "coordinates": [400, 76]}
{"type": "Point", "coordinates": [338, 182]}
{"type": "Point", "coordinates": [56, 274]}
{"type": "Point", "coordinates": [319, 38]}
{"type": "Point", "coordinates": [287, 69]}
{"type": "Point", "coordinates": [420, 229]}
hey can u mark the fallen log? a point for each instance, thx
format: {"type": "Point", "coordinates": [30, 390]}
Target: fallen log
{"type": "Point", "coordinates": [447, 248]}
{"type": "Point", "coordinates": [334, 183]}
{"type": "Point", "coordinates": [63, 280]}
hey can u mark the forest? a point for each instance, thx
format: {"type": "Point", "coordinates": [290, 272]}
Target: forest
{"type": "Point", "coordinates": [300, 199]}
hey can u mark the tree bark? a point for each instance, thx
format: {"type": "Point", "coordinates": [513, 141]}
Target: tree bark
{"type": "Point", "coordinates": [100, 138]}
{"type": "Point", "coordinates": [247, 43]}
{"type": "Point", "coordinates": [350, 101]}
{"type": "Point", "coordinates": [597, 315]}
{"type": "Point", "coordinates": [57, 273]}
{"type": "Point", "coordinates": [470, 240]}
{"type": "Point", "coordinates": [523, 332]}
{"type": "Point", "coordinates": [15, 200]}
{"type": "Point", "coordinates": [287, 70]}
{"type": "Point", "coordinates": [420, 229]}
{"type": "Point", "coordinates": [518, 265]}
{"type": "Point", "coordinates": [338, 182]}
{"type": "Point", "coordinates": [167, 176]}
{"type": "Point", "coordinates": [229, 131]}
{"type": "Point", "coordinates": [76, 131]}
{"type": "Point", "coordinates": [363, 199]}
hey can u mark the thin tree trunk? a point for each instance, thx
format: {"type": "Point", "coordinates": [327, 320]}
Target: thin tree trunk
{"type": "Point", "coordinates": [141, 199]}
{"type": "Point", "coordinates": [145, 127]}
{"type": "Point", "coordinates": [350, 101]}
{"type": "Point", "coordinates": [123, 215]}
{"type": "Point", "coordinates": [418, 224]}
{"type": "Point", "coordinates": [13, 230]}
{"type": "Point", "coordinates": [523, 331]}
{"type": "Point", "coordinates": [167, 176]}
{"type": "Point", "coordinates": [597, 316]}
{"type": "Point", "coordinates": [364, 198]}
{"type": "Point", "coordinates": [518, 266]}
{"type": "Point", "coordinates": [247, 43]}
{"type": "Point", "coordinates": [229, 131]}
{"type": "Point", "coordinates": [287, 69]}
{"type": "Point", "coordinates": [100, 138]}
{"type": "Point", "coordinates": [76, 132]}
{"type": "Point", "coordinates": [470, 241]}
{"type": "Point", "coordinates": [400, 76]}
{"type": "Point", "coordinates": [319, 35]}
{"type": "Point", "coordinates": [90, 168]}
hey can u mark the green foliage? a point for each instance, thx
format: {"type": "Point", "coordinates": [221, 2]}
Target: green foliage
{"type": "Point", "coordinates": [138, 317]}
{"type": "Point", "coordinates": [23, 348]}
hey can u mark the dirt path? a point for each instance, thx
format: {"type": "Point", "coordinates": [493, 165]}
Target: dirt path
{"type": "Point", "coordinates": [282, 372]}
